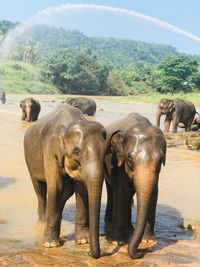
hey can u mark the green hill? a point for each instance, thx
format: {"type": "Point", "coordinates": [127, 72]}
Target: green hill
{"type": "Point", "coordinates": [20, 77]}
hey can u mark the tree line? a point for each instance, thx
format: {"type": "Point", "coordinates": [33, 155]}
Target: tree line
{"type": "Point", "coordinates": [79, 64]}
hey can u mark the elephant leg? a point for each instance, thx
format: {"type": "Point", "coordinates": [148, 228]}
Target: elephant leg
{"type": "Point", "coordinates": [109, 210]}
{"type": "Point", "coordinates": [23, 116]}
{"type": "Point", "coordinates": [54, 206]}
{"type": "Point", "coordinates": [122, 202]}
{"type": "Point", "coordinates": [149, 229]}
{"type": "Point", "coordinates": [82, 214]}
{"type": "Point", "coordinates": [68, 191]}
{"type": "Point", "coordinates": [53, 219]}
{"type": "Point", "coordinates": [175, 122]}
{"type": "Point", "coordinates": [41, 192]}
{"type": "Point", "coordinates": [167, 123]}
{"type": "Point", "coordinates": [188, 127]}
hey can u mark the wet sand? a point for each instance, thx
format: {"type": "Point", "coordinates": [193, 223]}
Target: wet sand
{"type": "Point", "coordinates": [21, 235]}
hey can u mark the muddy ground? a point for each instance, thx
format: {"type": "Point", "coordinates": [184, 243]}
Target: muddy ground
{"type": "Point", "coordinates": [21, 235]}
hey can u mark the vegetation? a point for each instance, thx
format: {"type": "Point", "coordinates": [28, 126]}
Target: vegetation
{"type": "Point", "coordinates": [20, 77]}
{"type": "Point", "coordinates": [50, 60]}
{"type": "Point", "coordinates": [5, 27]}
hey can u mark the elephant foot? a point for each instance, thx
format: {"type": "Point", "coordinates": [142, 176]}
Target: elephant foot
{"type": "Point", "coordinates": [119, 242]}
{"type": "Point", "coordinates": [82, 236]}
{"type": "Point", "coordinates": [149, 238]}
{"type": "Point", "coordinates": [52, 244]}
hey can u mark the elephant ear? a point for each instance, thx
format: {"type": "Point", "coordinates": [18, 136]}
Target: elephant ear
{"type": "Point", "coordinates": [57, 143]}
{"type": "Point", "coordinates": [21, 103]}
{"type": "Point", "coordinates": [171, 106]}
{"type": "Point", "coordinates": [116, 146]}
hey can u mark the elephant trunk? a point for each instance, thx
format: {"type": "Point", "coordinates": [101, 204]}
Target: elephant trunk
{"type": "Point", "coordinates": [28, 114]}
{"type": "Point", "coordinates": [94, 188]}
{"type": "Point", "coordinates": [144, 181]}
{"type": "Point", "coordinates": [158, 115]}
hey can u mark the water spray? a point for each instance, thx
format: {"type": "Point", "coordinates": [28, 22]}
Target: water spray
{"type": "Point", "coordinates": [23, 27]}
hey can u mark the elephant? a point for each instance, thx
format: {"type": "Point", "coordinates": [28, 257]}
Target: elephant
{"type": "Point", "coordinates": [86, 105]}
{"type": "Point", "coordinates": [135, 152]}
{"type": "Point", "coordinates": [62, 157]}
{"type": "Point", "coordinates": [177, 111]}
{"type": "Point", "coordinates": [2, 96]}
{"type": "Point", "coordinates": [30, 109]}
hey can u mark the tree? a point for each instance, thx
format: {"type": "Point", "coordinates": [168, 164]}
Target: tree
{"type": "Point", "coordinates": [174, 74]}
{"type": "Point", "coordinates": [77, 71]}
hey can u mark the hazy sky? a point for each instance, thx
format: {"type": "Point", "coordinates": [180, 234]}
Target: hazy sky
{"type": "Point", "coordinates": [182, 17]}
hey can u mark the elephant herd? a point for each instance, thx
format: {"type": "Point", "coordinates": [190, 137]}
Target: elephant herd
{"type": "Point", "coordinates": [65, 154]}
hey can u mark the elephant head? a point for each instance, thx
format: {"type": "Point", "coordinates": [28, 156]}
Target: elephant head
{"type": "Point", "coordinates": [165, 106]}
{"type": "Point", "coordinates": [30, 109]}
{"type": "Point", "coordinates": [26, 105]}
{"type": "Point", "coordinates": [78, 154]}
{"type": "Point", "coordinates": [142, 151]}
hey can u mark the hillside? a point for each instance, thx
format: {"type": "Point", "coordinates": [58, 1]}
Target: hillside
{"type": "Point", "coordinates": [47, 59]}
{"type": "Point", "coordinates": [20, 77]}
{"type": "Point", "coordinates": [45, 39]}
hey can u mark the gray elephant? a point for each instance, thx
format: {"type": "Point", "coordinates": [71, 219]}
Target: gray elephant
{"type": "Point", "coordinates": [30, 109]}
{"type": "Point", "coordinates": [62, 156]}
{"type": "Point", "coordinates": [2, 96]}
{"type": "Point", "coordinates": [177, 111]}
{"type": "Point", "coordinates": [136, 149]}
{"type": "Point", "coordinates": [86, 105]}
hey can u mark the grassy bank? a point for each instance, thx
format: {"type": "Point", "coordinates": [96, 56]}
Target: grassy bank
{"type": "Point", "coordinates": [153, 98]}
{"type": "Point", "coordinates": [19, 77]}
{"type": "Point", "coordinates": [23, 78]}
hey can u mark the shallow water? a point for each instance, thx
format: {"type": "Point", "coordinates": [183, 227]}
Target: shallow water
{"type": "Point", "coordinates": [179, 184]}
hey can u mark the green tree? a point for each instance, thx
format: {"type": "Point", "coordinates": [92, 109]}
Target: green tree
{"type": "Point", "coordinates": [77, 71]}
{"type": "Point", "coordinates": [174, 74]}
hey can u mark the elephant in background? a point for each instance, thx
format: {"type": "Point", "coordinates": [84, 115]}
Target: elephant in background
{"type": "Point", "coordinates": [62, 156]}
{"type": "Point", "coordinates": [86, 105]}
{"type": "Point", "coordinates": [2, 96]}
{"type": "Point", "coordinates": [177, 111]}
{"type": "Point", "coordinates": [30, 109]}
{"type": "Point", "coordinates": [136, 149]}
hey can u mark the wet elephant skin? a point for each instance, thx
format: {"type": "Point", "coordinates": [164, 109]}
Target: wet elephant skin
{"type": "Point", "coordinates": [136, 150]}
{"type": "Point", "coordinates": [62, 157]}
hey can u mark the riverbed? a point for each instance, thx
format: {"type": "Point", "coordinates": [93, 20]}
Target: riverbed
{"type": "Point", "coordinates": [21, 235]}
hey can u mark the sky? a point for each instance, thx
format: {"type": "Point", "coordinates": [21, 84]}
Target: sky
{"type": "Point", "coordinates": [171, 22]}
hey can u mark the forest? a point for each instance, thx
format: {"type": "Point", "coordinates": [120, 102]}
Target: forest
{"type": "Point", "coordinates": [54, 60]}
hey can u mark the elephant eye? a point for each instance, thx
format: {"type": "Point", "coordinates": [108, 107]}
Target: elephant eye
{"type": "Point", "coordinates": [77, 152]}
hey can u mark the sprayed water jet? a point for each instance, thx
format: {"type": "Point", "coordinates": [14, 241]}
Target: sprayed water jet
{"type": "Point", "coordinates": [41, 15]}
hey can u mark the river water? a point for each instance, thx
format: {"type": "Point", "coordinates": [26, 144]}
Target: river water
{"type": "Point", "coordinates": [179, 184]}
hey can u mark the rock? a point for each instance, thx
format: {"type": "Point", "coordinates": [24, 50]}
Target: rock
{"type": "Point", "coordinates": [193, 143]}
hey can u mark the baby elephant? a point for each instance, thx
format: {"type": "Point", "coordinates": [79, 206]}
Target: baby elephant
{"type": "Point", "coordinates": [30, 109]}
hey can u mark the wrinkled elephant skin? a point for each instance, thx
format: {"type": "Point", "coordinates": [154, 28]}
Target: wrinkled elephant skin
{"type": "Point", "coordinates": [136, 149]}
{"type": "Point", "coordinates": [62, 157]}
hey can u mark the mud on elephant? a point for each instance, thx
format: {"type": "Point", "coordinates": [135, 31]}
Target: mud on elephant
{"type": "Point", "coordinates": [62, 156]}
{"type": "Point", "coordinates": [177, 111]}
{"type": "Point", "coordinates": [136, 150]}
{"type": "Point", "coordinates": [30, 109]}
{"type": "Point", "coordinates": [86, 105]}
